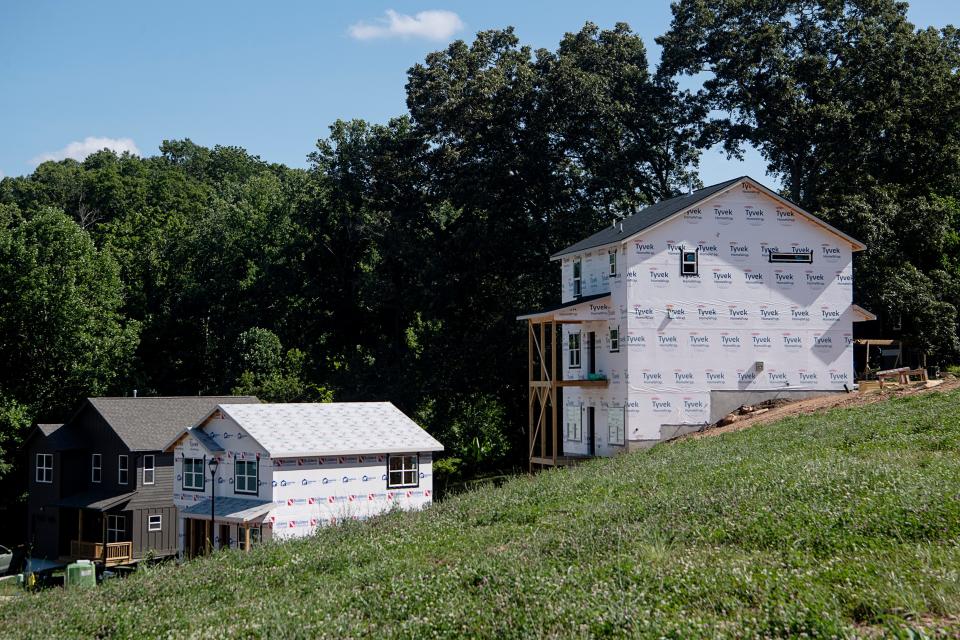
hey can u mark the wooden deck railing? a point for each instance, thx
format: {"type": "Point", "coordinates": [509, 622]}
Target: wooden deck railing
{"type": "Point", "coordinates": [111, 554]}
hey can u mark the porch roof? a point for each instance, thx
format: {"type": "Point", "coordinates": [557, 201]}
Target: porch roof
{"type": "Point", "coordinates": [96, 500]}
{"type": "Point", "coordinates": [229, 509]}
{"type": "Point", "coordinates": [550, 312]}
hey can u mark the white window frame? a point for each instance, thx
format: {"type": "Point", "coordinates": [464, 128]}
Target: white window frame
{"type": "Point", "coordinates": [123, 469]}
{"type": "Point", "coordinates": [193, 474]}
{"type": "Point", "coordinates": [615, 339]}
{"type": "Point", "coordinates": [573, 343]}
{"type": "Point", "coordinates": [155, 522]}
{"type": "Point", "coordinates": [44, 473]}
{"type": "Point", "coordinates": [96, 468]}
{"type": "Point", "coordinates": [577, 278]}
{"type": "Point", "coordinates": [617, 434]}
{"type": "Point", "coordinates": [116, 527]}
{"type": "Point", "coordinates": [408, 473]}
{"type": "Point", "coordinates": [240, 472]}
{"type": "Point", "coordinates": [152, 469]}
{"type": "Point", "coordinates": [613, 262]}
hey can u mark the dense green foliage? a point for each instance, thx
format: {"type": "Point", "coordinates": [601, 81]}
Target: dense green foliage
{"type": "Point", "coordinates": [394, 266]}
{"type": "Point", "coordinates": [828, 525]}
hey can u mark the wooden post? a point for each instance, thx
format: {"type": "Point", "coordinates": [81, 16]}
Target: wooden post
{"type": "Point", "coordinates": [246, 536]}
{"type": "Point", "coordinates": [543, 367]}
{"type": "Point", "coordinates": [554, 342]}
{"type": "Point", "coordinates": [209, 531]}
{"type": "Point", "coordinates": [530, 390]}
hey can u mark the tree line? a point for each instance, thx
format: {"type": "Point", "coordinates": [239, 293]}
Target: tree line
{"type": "Point", "coordinates": [393, 267]}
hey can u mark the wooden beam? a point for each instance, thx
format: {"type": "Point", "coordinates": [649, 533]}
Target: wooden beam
{"type": "Point", "coordinates": [554, 343]}
{"type": "Point", "coordinates": [246, 535]}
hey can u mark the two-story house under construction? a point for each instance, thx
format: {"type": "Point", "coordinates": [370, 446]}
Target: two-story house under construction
{"type": "Point", "coordinates": [676, 315]}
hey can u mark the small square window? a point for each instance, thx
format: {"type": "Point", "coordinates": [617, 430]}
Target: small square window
{"type": "Point", "coordinates": [402, 471]}
{"type": "Point", "coordinates": [155, 523]}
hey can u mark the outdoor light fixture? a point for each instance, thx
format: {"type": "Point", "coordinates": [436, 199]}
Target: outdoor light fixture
{"type": "Point", "coordinates": [213, 464]}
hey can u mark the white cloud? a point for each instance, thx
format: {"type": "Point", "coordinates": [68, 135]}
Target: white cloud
{"type": "Point", "coordinates": [431, 25]}
{"type": "Point", "coordinates": [80, 150]}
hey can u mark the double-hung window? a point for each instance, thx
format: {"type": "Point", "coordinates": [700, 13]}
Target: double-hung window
{"type": "Point", "coordinates": [116, 528]}
{"type": "Point", "coordinates": [45, 468]}
{"type": "Point", "coordinates": [614, 339]}
{"type": "Point", "coordinates": [155, 522]}
{"type": "Point", "coordinates": [402, 471]}
{"type": "Point", "coordinates": [149, 469]}
{"type": "Point", "coordinates": [96, 467]}
{"type": "Point", "coordinates": [689, 262]}
{"type": "Point", "coordinates": [574, 348]}
{"type": "Point", "coordinates": [612, 255]}
{"type": "Point", "coordinates": [193, 474]}
{"type": "Point", "coordinates": [123, 470]}
{"type": "Point", "coordinates": [245, 476]}
{"type": "Point", "coordinates": [577, 277]}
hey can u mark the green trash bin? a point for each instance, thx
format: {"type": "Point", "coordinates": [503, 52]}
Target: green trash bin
{"type": "Point", "coordinates": [81, 573]}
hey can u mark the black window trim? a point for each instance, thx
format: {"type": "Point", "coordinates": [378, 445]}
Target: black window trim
{"type": "Point", "coordinates": [696, 262]}
{"type": "Point", "coordinates": [787, 257]}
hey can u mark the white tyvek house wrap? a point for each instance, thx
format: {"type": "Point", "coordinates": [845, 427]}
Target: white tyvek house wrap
{"type": "Point", "coordinates": [682, 337]}
{"type": "Point", "coordinates": [304, 492]}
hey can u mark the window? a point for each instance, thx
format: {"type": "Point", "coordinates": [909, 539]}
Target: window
{"type": "Point", "coordinates": [613, 262]}
{"type": "Point", "coordinates": [577, 271]}
{"type": "Point", "coordinates": [123, 471]}
{"type": "Point", "coordinates": [614, 339]}
{"type": "Point", "coordinates": [689, 262]}
{"type": "Point", "coordinates": [116, 528]}
{"type": "Point", "coordinates": [96, 467]}
{"type": "Point", "coordinates": [193, 474]}
{"type": "Point", "coordinates": [402, 471]}
{"type": "Point", "coordinates": [255, 537]}
{"type": "Point", "coordinates": [45, 468]}
{"type": "Point", "coordinates": [574, 342]}
{"type": "Point", "coordinates": [155, 523]}
{"type": "Point", "coordinates": [148, 469]}
{"type": "Point", "coordinates": [777, 256]}
{"type": "Point", "coordinates": [574, 423]}
{"type": "Point", "coordinates": [616, 425]}
{"type": "Point", "coordinates": [245, 476]}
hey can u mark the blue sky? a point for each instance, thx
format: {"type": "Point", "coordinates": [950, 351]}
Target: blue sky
{"type": "Point", "coordinates": [269, 77]}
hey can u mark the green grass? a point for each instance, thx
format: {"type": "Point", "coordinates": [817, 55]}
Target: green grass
{"type": "Point", "coordinates": [842, 524]}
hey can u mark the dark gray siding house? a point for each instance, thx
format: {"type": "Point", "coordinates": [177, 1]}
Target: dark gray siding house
{"type": "Point", "coordinates": [100, 486]}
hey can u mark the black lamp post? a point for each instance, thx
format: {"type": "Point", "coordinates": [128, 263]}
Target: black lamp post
{"type": "Point", "coordinates": [213, 464]}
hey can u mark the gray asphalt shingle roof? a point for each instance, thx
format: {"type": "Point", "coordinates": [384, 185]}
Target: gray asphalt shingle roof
{"type": "Point", "coordinates": [148, 423]}
{"type": "Point", "coordinates": [646, 218]}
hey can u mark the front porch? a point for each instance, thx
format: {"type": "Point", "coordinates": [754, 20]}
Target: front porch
{"type": "Point", "coordinates": [110, 554]}
{"type": "Point", "coordinates": [100, 531]}
{"type": "Point", "coordinates": [545, 375]}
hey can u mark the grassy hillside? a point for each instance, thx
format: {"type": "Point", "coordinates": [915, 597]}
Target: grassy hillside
{"type": "Point", "coordinates": [840, 524]}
